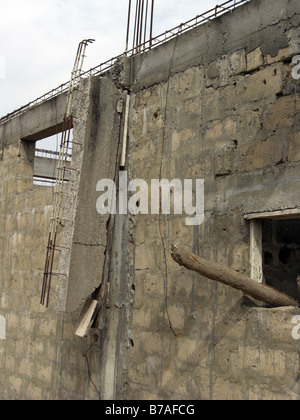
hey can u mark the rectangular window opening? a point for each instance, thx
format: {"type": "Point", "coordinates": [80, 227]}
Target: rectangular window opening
{"type": "Point", "coordinates": [275, 250]}
{"type": "Point", "coordinates": [46, 158]}
{"type": "Point", "coordinates": [281, 255]}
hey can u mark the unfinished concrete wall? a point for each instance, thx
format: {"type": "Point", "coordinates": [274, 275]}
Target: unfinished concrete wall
{"type": "Point", "coordinates": [218, 103]}
{"type": "Point", "coordinates": [38, 343]}
{"type": "Point", "coordinates": [98, 154]}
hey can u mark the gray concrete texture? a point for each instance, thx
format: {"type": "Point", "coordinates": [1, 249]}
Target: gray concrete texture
{"type": "Point", "coordinates": [99, 160]}
{"type": "Point", "coordinates": [37, 123]}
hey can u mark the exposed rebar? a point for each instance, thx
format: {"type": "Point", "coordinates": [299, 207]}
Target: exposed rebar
{"type": "Point", "coordinates": [228, 6]}
{"type": "Point", "coordinates": [63, 159]}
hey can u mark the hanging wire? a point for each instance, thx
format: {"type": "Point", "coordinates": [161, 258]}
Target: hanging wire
{"type": "Point", "coordinates": [160, 222]}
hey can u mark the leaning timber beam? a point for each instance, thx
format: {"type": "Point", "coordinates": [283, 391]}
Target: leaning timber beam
{"type": "Point", "coordinates": [225, 275]}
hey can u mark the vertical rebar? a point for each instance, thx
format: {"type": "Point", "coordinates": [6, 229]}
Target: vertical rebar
{"type": "Point", "coordinates": [146, 21]}
{"type": "Point", "coordinates": [141, 25]}
{"type": "Point", "coordinates": [138, 27]}
{"type": "Point", "coordinates": [56, 218]}
{"type": "Point", "coordinates": [128, 26]}
{"type": "Point", "coordinates": [135, 25]}
{"type": "Point", "coordinates": [151, 24]}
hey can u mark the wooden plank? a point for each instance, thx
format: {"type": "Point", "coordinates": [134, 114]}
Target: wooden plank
{"type": "Point", "coordinates": [87, 317]}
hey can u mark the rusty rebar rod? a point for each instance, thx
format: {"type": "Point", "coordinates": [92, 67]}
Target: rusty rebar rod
{"type": "Point", "coordinates": [128, 26]}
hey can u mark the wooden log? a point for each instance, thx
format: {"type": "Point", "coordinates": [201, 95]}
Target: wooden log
{"type": "Point", "coordinates": [225, 275]}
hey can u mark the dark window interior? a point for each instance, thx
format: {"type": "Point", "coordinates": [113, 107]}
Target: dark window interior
{"type": "Point", "coordinates": [281, 255]}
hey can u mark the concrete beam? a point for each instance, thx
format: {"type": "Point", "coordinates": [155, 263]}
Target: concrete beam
{"type": "Point", "coordinates": [46, 168]}
{"type": "Point", "coordinates": [225, 34]}
{"type": "Point", "coordinates": [267, 190]}
{"type": "Point", "coordinates": [42, 121]}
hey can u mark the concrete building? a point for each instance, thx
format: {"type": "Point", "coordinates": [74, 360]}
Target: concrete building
{"type": "Point", "coordinates": [221, 103]}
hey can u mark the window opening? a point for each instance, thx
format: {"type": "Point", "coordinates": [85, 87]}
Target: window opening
{"type": "Point", "coordinates": [281, 255]}
{"type": "Point", "coordinates": [46, 158]}
{"type": "Point", "coordinates": [275, 249]}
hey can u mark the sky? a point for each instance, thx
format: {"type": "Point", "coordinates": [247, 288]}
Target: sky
{"type": "Point", "coordinates": [39, 39]}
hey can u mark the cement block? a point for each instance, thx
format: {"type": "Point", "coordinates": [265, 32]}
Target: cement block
{"type": "Point", "coordinates": [294, 149]}
{"type": "Point", "coordinates": [255, 59]}
{"type": "Point", "coordinates": [279, 114]}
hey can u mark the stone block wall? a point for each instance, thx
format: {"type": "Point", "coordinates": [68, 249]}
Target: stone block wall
{"type": "Point", "coordinates": [40, 358]}
{"type": "Point", "coordinates": [232, 120]}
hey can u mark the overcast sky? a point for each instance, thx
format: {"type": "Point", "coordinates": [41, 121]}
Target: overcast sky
{"type": "Point", "coordinates": [39, 39]}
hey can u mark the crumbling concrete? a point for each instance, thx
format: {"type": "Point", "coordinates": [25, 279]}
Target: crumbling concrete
{"type": "Point", "coordinates": [99, 158]}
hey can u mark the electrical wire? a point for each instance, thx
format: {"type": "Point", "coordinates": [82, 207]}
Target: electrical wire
{"type": "Point", "coordinates": [85, 355]}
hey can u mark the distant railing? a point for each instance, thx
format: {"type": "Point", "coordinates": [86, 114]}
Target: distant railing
{"type": "Point", "coordinates": [43, 182]}
{"type": "Point", "coordinates": [49, 154]}
{"type": "Point", "coordinates": [211, 14]}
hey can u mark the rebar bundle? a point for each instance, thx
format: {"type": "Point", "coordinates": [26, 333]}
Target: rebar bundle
{"type": "Point", "coordinates": [142, 19]}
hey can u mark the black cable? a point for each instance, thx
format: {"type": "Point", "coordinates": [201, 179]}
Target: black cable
{"type": "Point", "coordinates": [88, 364]}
